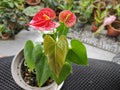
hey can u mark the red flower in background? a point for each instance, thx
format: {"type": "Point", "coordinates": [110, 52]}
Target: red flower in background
{"type": "Point", "coordinates": [67, 17]}
{"type": "Point", "coordinates": [43, 20]}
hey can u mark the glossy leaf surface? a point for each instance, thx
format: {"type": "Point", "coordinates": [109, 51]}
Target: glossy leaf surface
{"type": "Point", "coordinates": [28, 49]}
{"type": "Point", "coordinates": [66, 70]}
{"type": "Point", "coordinates": [42, 70]}
{"type": "Point", "coordinates": [56, 52]}
{"type": "Point", "coordinates": [77, 53]}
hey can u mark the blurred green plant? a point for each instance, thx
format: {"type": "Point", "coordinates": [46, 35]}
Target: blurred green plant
{"type": "Point", "coordinates": [51, 4]}
{"type": "Point", "coordinates": [31, 10]}
{"type": "Point", "coordinates": [99, 15]}
{"type": "Point", "coordinates": [11, 15]}
{"type": "Point", "coordinates": [83, 8]}
{"type": "Point", "coordinates": [4, 30]}
{"type": "Point", "coordinates": [117, 10]}
{"type": "Point", "coordinates": [19, 4]}
{"type": "Point", "coordinates": [66, 4]}
{"type": "Point", "coordinates": [80, 8]}
{"type": "Point", "coordinates": [59, 4]}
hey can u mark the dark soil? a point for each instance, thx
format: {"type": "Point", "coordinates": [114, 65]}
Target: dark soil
{"type": "Point", "coordinates": [30, 77]}
{"type": "Point", "coordinates": [116, 25]}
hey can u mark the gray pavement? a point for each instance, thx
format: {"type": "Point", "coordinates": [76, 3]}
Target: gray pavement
{"type": "Point", "coordinates": [11, 47]}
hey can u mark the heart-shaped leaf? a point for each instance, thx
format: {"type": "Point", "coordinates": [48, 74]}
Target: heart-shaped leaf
{"type": "Point", "coordinates": [36, 54]}
{"type": "Point", "coordinates": [42, 69]}
{"type": "Point", "coordinates": [41, 65]}
{"type": "Point", "coordinates": [66, 70]}
{"type": "Point", "coordinates": [56, 52]}
{"type": "Point", "coordinates": [77, 53]}
{"type": "Point", "coordinates": [28, 49]}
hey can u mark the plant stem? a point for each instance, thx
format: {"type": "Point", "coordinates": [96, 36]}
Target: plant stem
{"type": "Point", "coordinates": [54, 35]}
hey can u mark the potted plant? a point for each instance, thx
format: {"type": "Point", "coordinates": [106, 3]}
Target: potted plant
{"type": "Point", "coordinates": [98, 18]}
{"type": "Point", "coordinates": [107, 22]}
{"type": "Point", "coordinates": [101, 3]}
{"type": "Point", "coordinates": [83, 10]}
{"type": "Point", "coordinates": [12, 17]}
{"type": "Point", "coordinates": [82, 21]}
{"type": "Point", "coordinates": [50, 61]}
{"type": "Point", "coordinates": [4, 32]}
{"type": "Point", "coordinates": [114, 29]}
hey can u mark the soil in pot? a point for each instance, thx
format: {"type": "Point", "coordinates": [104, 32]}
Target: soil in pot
{"type": "Point", "coordinates": [30, 77]}
{"type": "Point", "coordinates": [114, 29]}
{"type": "Point", "coordinates": [116, 26]}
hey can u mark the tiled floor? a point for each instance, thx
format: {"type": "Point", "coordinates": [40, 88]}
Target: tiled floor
{"type": "Point", "coordinates": [11, 47]}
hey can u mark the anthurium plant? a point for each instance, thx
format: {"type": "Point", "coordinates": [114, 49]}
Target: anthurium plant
{"type": "Point", "coordinates": [55, 56]}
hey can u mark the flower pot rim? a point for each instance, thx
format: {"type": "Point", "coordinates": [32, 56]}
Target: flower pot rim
{"type": "Point", "coordinates": [27, 1]}
{"type": "Point", "coordinates": [5, 36]}
{"type": "Point", "coordinates": [84, 19]}
{"type": "Point", "coordinates": [101, 2]}
{"type": "Point", "coordinates": [113, 27]}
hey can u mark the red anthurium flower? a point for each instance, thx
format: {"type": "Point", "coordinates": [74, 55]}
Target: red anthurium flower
{"type": "Point", "coordinates": [43, 20]}
{"type": "Point", "coordinates": [67, 17]}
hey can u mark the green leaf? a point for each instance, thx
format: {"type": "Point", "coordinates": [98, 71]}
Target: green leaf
{"type": "Point", "coordinates": [56, 52]}
{"type": "Point", "coordinates": [66, 70]}
{"type": "Point", "coordinates": [16, 4]}
{"type": "Point", "coordinates": [62, 29]}
{"type": "Point", "coordinates": [37, 52]}
{"type": "Point", "coordinates": [104, 14]}
{"type": "Point", "coordinates": [11, 4]}
{"type": "Point", "coordinates": [61, 6]}
{"type": "Point", "coordinates": [31, 10]}
{"type": "Point", "coordinates": [52, 35]}
{"type": "Point", "coordinates": [42, 69]}
{"type": "Point", "coordinates": [98, 20]}
{"type": "Point", "coordinates": [28, 49]}
{"type": "Point", "coordinates": [77, 54]}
